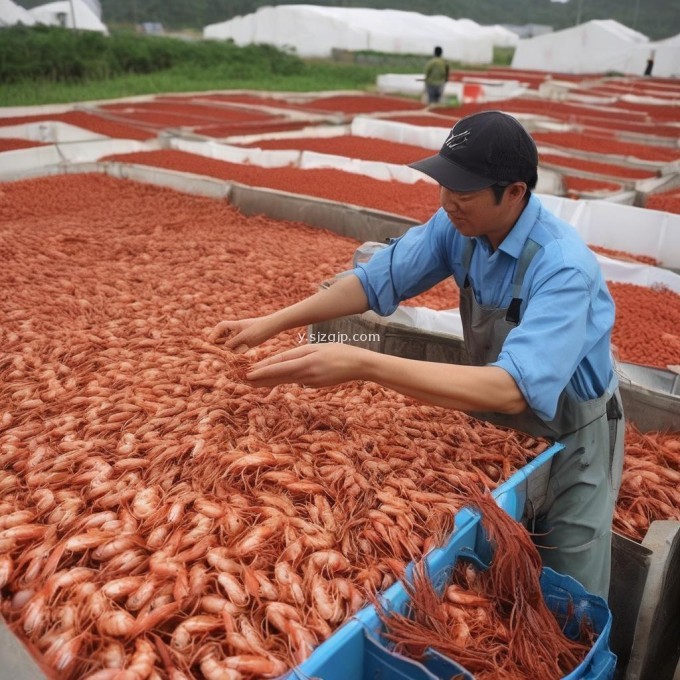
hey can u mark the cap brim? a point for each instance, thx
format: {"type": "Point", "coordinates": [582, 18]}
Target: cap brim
{"type": "Point", "coordinates": [451, 175]}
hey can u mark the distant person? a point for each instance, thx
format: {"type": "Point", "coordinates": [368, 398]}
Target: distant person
{"type": "Point", "coordinates": [650, 65]}
{"type": "Point", "coordinates": [436, 76]}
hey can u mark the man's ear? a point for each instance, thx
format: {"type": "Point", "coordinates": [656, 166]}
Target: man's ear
{"type": "Point", "coordinates": [517, 191]}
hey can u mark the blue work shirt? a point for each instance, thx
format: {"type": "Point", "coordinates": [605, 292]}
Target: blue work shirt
{"type": "Point", "coordinates": [564, 337]}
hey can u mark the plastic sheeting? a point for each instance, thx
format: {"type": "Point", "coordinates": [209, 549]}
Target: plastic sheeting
{"type": "Point", "coordinates": [377, 170]}
{"type": "Point", "coordinates": [666, 57]}
{"type": "Point", "coordinates": [49, 132]}
{"type": "Point", "coordinates": [238, 154]}
{"type": "Point", "coordinates": [638, 274]}
{"type": "Point", "coordinates": [638, 231]}
{"type": "Point", "coordinates": [70, 14]}
{"type": "Point", "coordinates": [596, 46]}
{"type": "Point", "coordinates": [403, 133]}
{"type": "Point", "coordinates": [314, 31]}
{"type": "Point", "coordinates": [14, 164]}
{"type": "Point", "coordinates": [12, 14]}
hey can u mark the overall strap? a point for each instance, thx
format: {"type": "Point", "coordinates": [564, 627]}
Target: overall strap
{"type": "Point", "coordinates": [530, 249]}
{"type": "Point", "coordinates": [467, 259]}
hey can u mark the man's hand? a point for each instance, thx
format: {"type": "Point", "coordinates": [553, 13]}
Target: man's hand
{"type": "Point", "coordinates": [346, 296]}
{"type": "Point", "coordinates": [317, 365]}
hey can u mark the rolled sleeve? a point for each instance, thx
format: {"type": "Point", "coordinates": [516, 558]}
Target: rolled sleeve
{"type": "Point", "coordinates": [412, 264]}
{"type": "Point", "coordinates": [377, 282]}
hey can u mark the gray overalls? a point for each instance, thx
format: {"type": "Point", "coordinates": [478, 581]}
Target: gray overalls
{"type": "Point", "coordinates": [572, 524]}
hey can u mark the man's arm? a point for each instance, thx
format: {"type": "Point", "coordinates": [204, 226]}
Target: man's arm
{"type": "Point", "coordinates": [344, 297]}
{"type": "Point", "coordinates": [466, 388]}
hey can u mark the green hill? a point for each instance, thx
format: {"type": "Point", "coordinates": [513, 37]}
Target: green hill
{"type": "Point", "coordinates": [658, 19]}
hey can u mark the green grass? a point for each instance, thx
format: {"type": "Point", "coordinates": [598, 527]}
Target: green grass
{"type": "Point", "coordinates": [47, 65]}
{"type": "Point", "coordinates": [315, 76]}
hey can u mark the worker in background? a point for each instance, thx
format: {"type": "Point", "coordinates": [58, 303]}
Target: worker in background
{"type": "Point", "coordinates": [537, 320]}
{"type": "Point", "coordinates": [650, 65]}
{"type": "Point", "coordinates": [436, 77]}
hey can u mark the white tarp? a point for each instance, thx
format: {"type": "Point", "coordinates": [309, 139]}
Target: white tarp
{"type": "Point", "coordinates": [499, 35]}
{"type": "Point", "coordinates": [11, 14]}
{"type": "Point", "coordinates": [70, 14]}
{"type": "Point", "coordinates": [95, 6]}
{"type": "Point", "coordinates": [597, 46]}
{"type": "Point", "coordinates": [14, 163]}
{"type": "Point", "coordinates": [666, 57]}
{"type": "Point", "coordinates": [269, 158]}
{"type": "Point", "coordinates": [48, 132]}
{"type": "Point", "coordinates": [638, 231]}
{"type": "Point", "coordinates": [314, 31]}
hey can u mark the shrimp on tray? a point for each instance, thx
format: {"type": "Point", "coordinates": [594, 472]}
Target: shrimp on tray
{"type": "Point", "coordinates": [494, 622]}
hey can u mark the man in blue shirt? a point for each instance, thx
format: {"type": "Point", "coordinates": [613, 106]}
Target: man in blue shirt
{"type": "Point", "coordinates": [537, 320]}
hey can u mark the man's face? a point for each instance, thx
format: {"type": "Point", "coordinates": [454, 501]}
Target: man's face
{"type": "Point", "coordinates": [476, 213]}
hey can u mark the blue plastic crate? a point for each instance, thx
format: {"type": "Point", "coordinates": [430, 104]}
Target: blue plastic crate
{"type": "Point", "coordinates": [356, 650]}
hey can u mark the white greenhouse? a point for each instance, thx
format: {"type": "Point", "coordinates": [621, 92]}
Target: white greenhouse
{"type": "Point", "coordinates": [314, 31]}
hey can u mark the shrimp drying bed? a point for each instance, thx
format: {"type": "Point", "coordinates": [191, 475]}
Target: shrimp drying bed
{"type": "Point", "coordinates": [116, 416]}
{"type": "Point", "coordinates": [218, 189]}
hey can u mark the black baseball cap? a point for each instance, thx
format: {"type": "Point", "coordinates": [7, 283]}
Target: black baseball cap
{"type": "Point", "coordinates": [485, 148]}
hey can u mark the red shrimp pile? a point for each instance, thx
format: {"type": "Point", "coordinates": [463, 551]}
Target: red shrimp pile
{"type": "Point", "coordinates": [158, 515]}
{"type": "Point", "coordinates": [88, 121]}
{"type": "Point", "coordinates": [649, 484]}
{"type": "Point", "coordinates": [494, 622]}
{"type": "Point", "coordinates": [647, 327]}
{"type": "Point", "coordinates": [351, 146]}
{"type": "Point", "coordinates": [625, 256]}
{"type": "Point", "coordinates": [600, 144]}
{"type": "Point", "coordinates": [333, 104]}
{"type": "Point", "coordinates": [436, 118]}
{"type": "Point", "coordinates": [667, 201]}
{"type": "Point", "coordinates": [605, 169]}
{"type": "Point", "coordinates": [11, 143]}
{"type": "Point", "coordinates": [608, 120]}
{"type": "Point", "coordinates": [574, 185]}
{"type": "Point", "coordinates": [363, 104]}
{"type": "Point", "coordinates": [252, 98]}
{"type": "Point", "coordinates": [417, 201]}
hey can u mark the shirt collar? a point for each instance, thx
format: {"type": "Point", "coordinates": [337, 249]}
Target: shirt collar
{"type": "Point", "coordinates": [514, 242]}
